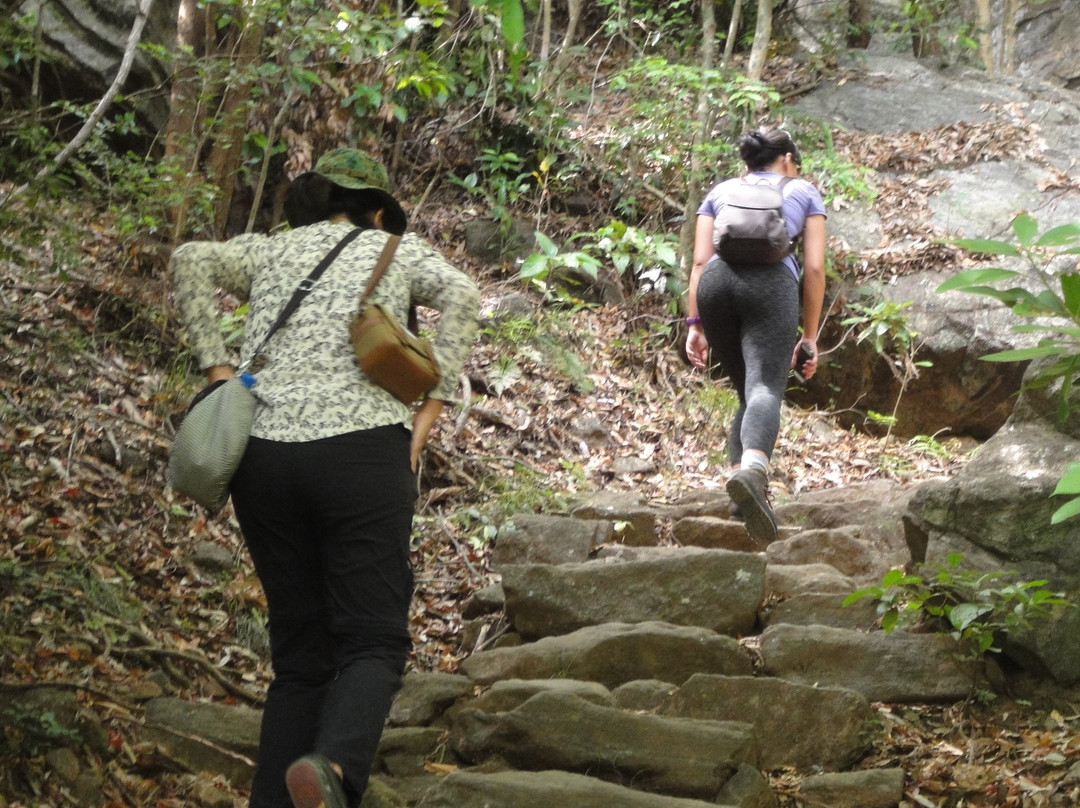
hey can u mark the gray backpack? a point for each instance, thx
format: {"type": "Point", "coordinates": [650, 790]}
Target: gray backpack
{"type": "Point", "coordinates": [750, 227]}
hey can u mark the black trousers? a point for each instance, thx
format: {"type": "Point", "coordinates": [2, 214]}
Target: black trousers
{"type": "Point", "coordinates": [750, 316]}
{"type": "Point", "coordinates": [328, 523]}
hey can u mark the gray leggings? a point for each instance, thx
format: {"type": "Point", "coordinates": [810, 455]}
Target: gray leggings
{"type": "Point", "coordinates": [751, 317]}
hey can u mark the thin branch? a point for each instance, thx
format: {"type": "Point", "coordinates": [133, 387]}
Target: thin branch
{"type": "Point", "coordinates": [142, 12]}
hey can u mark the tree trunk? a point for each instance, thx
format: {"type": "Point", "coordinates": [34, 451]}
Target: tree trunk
{"type": "Point", "coordinates": [702, 134]}
{"type": "Point", "coordinates": [860, 24]}
{"type": "Point", "coordinates": [733, 31]}
{"type": "Point", "coordinates": [183, 111]}
{"type": "Point", "coordinates": [1008, 38]}
{"type": "Point", "coordinates": [225, 157]}
{"type": "Point", "coordinates": [984, 30]}
{"type": "Point", "coordinates": [545, 39]}
{"type": "Point", "coordinates": [762, 38]}
{"type": "Point", "coordinates": [574, 8]}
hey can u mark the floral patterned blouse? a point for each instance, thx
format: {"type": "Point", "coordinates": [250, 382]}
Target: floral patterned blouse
{"type": "Point", "coordinates": [308, 384]}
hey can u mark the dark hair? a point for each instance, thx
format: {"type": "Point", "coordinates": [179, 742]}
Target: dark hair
{"type": "Point", "coordinates": [760, 148]}
{"type": "Point", "coordinates": [312, 198]}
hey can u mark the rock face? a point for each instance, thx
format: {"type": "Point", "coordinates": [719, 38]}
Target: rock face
{"type": "Point", "coordinates": [956, 391]}
{"type": "Point", "coordinates": [996, 514]}
{"type": "Point", "coordinates": [85, 39]}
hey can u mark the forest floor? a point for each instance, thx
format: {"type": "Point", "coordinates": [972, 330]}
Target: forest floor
{"type": "Point", "coordinates": [101, 592]}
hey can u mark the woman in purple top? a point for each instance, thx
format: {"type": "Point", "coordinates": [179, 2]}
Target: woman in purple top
{"type": "Point", "coordinates": [749, 316]}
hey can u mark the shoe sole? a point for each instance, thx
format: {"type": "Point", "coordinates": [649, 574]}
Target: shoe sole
{"type": "Point", "coordinates": [756, 514]}
{"type": "Point", "coordinates": [310, 787]}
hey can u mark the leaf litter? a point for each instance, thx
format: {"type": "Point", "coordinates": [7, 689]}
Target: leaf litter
{"type": "Point", "coordinates": [119, 590]}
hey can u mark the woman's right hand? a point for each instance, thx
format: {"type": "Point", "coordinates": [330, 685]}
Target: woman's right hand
{"type": "Point", "coordinates": [697, 347]}
{"type": "Point", "coordinates": [423, 419]}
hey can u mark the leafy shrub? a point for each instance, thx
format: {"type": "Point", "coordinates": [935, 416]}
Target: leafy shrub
{"type": "Point", "coordinates": [975, 608]}
{"type": "Point", "coordinates": [1052, 310]}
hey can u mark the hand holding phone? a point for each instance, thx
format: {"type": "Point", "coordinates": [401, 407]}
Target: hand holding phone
{"type": "Point", "coordinates": [802, 356]}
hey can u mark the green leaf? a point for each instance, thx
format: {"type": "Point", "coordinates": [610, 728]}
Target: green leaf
{"type": "Point", "coordinates": [1070, 291]}
{"type": "Point", "coordinates": [513, 22]}
{"type": "Point", "coordinates": [1022, 354]}
{"type": "Point", "coordinates": [889, 620]}
{"type": "Point", "coordinates": [547, 246]}
{"type": "Point", "coordinates": [533, 267]}
{"type": "Point", "coordinates": [1033, 328]}
{"type": "Point", "coordinates": [976, 277]}
{"type": "Point", "coordinates": [1060, 236]}
{"type": "Point", "coordinates": [1066, 511]}
{"type": "Point", "coordinates": [893, 577]}
{"type": "Point", "coordinates": [1025, 228]}
{"type": "Point", "coordinates": [1013, 296]}
{"type": "Point", "coordinates": [984, 245]}
{"type": "Point", "coordinates": [964, 614]}
{"type": "Point", "coordinates": [1070, 483]}
{"type": "Point", "coordinates": [854, 597]}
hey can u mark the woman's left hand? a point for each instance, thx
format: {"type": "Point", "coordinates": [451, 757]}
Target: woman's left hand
{"type": "Point", "coordinates": [421, 425]}
{"type": "Point", "coordinates": [697, 347]}
{"type": "Point", "coordinates": [216, 373]}
{"type": "Point", "coordinates": [809, 368]}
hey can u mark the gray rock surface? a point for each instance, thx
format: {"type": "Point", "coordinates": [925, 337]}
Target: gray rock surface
{"type": "Point", "coordinates": [712, 588]}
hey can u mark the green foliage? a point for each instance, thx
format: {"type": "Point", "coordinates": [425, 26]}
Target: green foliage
{"type": "Point", "coordinates": [18, 43]}
{"type": "Point", "coordinates": [522, 341]}
{"type": "Point", "coordinates": [37, 732]}
{"type": "Point", "coordinates": [884, 324]}
{"type": "Point", "coordinates": [538, 267]}
{"type": "Point", "coordinates": [929, 446]}
{"type": "Point", "coordinates": [648, 25]}
{"type": "Point", "coordinates": [973, 607]}
{"type": "Point", "coordinates": [512, 331]}
{"type": "Point", "coordinates": [648, 260]}
{"type": "Point", "coordinates": [936, 29]}
{"type": "Point", "coordinates": [641, 344]}
{"type": "Point", "coordinates": [651, 260]}
{"type": "Point", "coordinates": [652, 140]}
{"type": "Point", "coordinates": [1045, 293]}
{"type": "Point", "coordinates": [521, 489]}
{"type": "Point", "coordinates": [838, 177]}
{"type": "Point", "coordinates": [231, 324]}
{"type": "Point", "coordinates": [501, 181]}
{"type": "Point", "coordinates": [713, 404]}
{"type": "Point", "coordinates": [1068, 485]}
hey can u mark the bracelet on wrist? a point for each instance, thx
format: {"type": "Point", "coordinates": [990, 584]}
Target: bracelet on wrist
{"type": "Point", "coordinates": [693, 320]}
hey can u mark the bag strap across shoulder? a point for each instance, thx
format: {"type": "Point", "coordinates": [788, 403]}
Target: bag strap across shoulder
{"type": "Point", "coordinates": [302, 289]}
{"type": "Point", "coordinates": [381, 265]}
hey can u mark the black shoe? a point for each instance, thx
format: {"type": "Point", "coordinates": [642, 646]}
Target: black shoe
{"type": "Point", "coordinates": [748, 489]}
{"type": "Point", "coordinates": [734, 511]}
{"type": "Point", "coordinates": [313, 783]}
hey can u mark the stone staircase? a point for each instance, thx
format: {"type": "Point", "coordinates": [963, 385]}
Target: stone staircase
{"type": "Point", "coordinates": [653, 656]}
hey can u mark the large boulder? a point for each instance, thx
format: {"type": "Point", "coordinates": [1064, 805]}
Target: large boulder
{"type": "Point", "coordinates": [683, 757]}
{"type": "Point", "coordinates": [84, 41]}
{"type": "Point", "coordinates": [717, 589]}
{"type": "Point", "coordinates": [996, 513]}
{"type": "Point", "coordinates": [512, 789]}
{"type": "Point", "coordinates": [613, 654]}
{"type": "Point", "coordinates": [955, 391]}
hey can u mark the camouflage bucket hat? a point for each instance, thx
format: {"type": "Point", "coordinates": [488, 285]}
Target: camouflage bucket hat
{"type": "Point", "coordinates": [359, 171]}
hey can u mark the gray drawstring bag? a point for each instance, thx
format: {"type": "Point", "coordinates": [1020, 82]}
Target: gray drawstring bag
{"type": "Point", "coordinates": [211, 441]}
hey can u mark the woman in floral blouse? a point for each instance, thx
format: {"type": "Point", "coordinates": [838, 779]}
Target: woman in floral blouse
{"type": "Point", "coordinates": [325, 492]}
